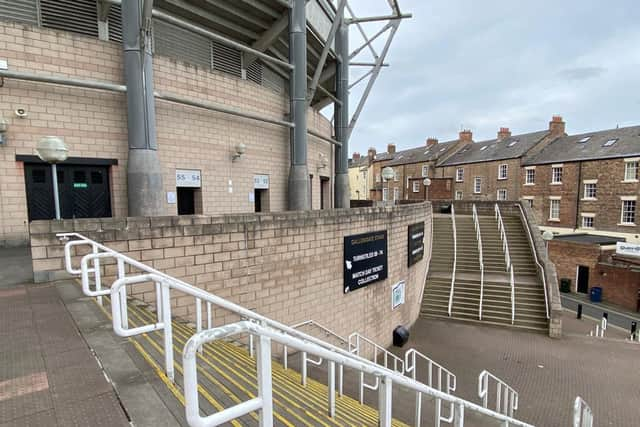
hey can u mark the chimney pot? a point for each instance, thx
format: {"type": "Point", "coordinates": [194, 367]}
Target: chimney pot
{"type": "Point", "coordinates": [466, 136]}
{"type": "Point", "coordinates": [371, 153]}
{"type": "Point", "coordinates": [391, 148]}
{"type": "Point", "coordinates": [356, 156]}
{"type": "Point", "coordinates": [432, 141]}
{"type": "Point", "coordinates": [556, 126]}
{"type": "Point", "coordinates": [503, 133]}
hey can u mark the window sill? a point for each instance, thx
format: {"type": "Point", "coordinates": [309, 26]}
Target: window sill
{"type": "Point", "coordinates": [502, 179]}
{"type": "Point", "coordinates": [459, 181]}
{"type": "Point", "coordinates": [627, 224]}
{"type": "Point", "coordinates": [629, 181]}
{"type": "Point", "coordinates": [556, 183]}
{"type": "Point", "coordinates": [530, 184]}
{"type": "Point", "coordinates": [554, 220]}
{"type": "Point", "coordinates": [588, 199]}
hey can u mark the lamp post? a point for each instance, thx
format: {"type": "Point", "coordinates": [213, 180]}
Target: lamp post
{"type": "Point", "coordinates": [51, 149]}
{"type": "Point", "coordinates": [427, 183]}
{"type": "Point", "coordinates": [547, 236]}
{"type": "Point", "coordinates": [387, 175]}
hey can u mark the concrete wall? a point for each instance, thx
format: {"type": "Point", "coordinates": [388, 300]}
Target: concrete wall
{"type": "Point", "coordinates": [287, 266]}
{"type": "Point", "coordinates": [93, 124]}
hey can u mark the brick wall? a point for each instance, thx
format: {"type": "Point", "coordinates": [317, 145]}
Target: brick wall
{"type": "Point", "coordinates": [620, 282]}
{"type": "Point", "coordinates": [93, 124]}
{"type": "Point", "coordinates": [488, 171]}
{"type": "Point", "coordinates": [567, 256]}
{"type": "Point", "coordinates": [285, 266]}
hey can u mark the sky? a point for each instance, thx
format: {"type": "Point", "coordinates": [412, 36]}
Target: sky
{"type": "Point", "coordinates": [486, 64]}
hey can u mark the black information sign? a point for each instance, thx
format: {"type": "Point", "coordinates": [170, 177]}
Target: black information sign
{"type": "Point", "coordinates": [415, 243]}
{"type": "Point", "coordinates": [365, 259]}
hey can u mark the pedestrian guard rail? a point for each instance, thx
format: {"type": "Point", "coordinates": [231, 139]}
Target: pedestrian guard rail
{"type": "Point", "coordinates": [476, 223]}
{"type": "Point", "coordinates": [506, 398]}
{"type": "Point", "coordinates": [507, 260]}
{"type": "Point", "coordinates": [582, 414]}
{"type": "Point", "coordinates": [266, 332]}
{"type": "Point", "coordinates": [455, 257]}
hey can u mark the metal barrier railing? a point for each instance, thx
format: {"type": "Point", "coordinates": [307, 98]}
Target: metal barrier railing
{"type": "Point", "coordinates": [507, 261]}
{"type": "Point", "coordinates": [266, 331]}
{"type": "Point", "coordinates": [438, 377]}
{"type": "Point", "coordinates": [600, 329]}
{"type": "Point", "coordinates": [582, 414]}
{"type": "Point", "coordinates": [506, 396]}
{"type": "Point", "coordinates": [476, 223]}
{"type": "Point", "coordinates": [535, 258]}
{"type": "Point", "coordinates": [364, 347]}
{"type": "Point", "coordinates": [455, 257]}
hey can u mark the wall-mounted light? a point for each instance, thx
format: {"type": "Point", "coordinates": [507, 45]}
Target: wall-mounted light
{"type": "Point", "coordinates": [4, 126]}
{"type": "Point", "coordinates": [240, 149]}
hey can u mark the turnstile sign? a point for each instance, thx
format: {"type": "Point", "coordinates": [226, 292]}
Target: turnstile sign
{"type": "Point", "coordinates": [415, 243]}
{"type": "Point", "coordinates": [365, 259]}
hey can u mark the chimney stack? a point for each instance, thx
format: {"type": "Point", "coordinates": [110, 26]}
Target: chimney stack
{"type": "Point", "coordinates": [356, 156]}
{"type": "Point", "coordinates": [466, 136]}
{"type": "Point", "coordinates": [556, 127]}
{"type": "Point", "coordinates": [391, 148]}
{"type": "Point", "coordinates": [503, 133]}
{"type": "Point", "coordinates": [431, 142]}
{"type": "Point", "coordinates": [371, 154]}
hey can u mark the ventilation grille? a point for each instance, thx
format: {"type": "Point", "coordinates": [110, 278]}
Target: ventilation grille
{"type": "Point", "coordinates": [25, 11]}
{"type": "Point", "coordinates": [181, 44]}
{"type": "Point", "coordinates": [115, 23]}
{"type": "Point", "coordinates": [226, 59]}
{"type": "Point", "coordinates": [272, 80]}
{"type": "Point", "coordinates": [78, 16]}
{"type": "Point", "coordinates": [254, 72]}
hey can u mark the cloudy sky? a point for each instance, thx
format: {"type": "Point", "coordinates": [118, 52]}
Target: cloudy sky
{"type": "Point", "coordinates": [483, 64]}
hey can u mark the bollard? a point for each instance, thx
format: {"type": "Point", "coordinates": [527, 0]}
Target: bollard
{"type": "Point", "coordinates": [579, 315]}
{"type": "Point", "coordinates": [634, 327]}
{"type": "Point", "coordinates": [605, 315]}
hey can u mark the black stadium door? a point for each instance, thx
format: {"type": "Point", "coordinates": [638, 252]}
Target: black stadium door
{"type": "Point", "coordinates": [84, 191]}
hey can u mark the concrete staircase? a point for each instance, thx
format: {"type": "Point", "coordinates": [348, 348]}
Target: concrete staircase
{"type": "Point", "coordinates": [227, 376]}
{"type": "Point", "coordinates": [529, 294]}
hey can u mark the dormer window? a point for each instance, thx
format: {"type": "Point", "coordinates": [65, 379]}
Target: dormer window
{"type": "Point", "coordinates": [512, 143]}
{"type": "Point", "coordinates": [610, 142]}
{"type": "Point", "coordinates": [585, 139]}
{"type": "Point", "coordinates": [484, 148]}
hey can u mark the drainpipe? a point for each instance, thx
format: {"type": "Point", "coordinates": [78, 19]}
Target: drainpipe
{"type": "Point", "coordinates": [144, 174]}
{"type": "Point", "coordinates": [299, 173]}
{"type": "Point", "coordinates": [342, 194]}
{"type": "Point", "coordinates": [579, 195]}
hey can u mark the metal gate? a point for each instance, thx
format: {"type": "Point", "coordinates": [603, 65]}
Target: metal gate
{"type": "Point", "coordinates": [84, 191]}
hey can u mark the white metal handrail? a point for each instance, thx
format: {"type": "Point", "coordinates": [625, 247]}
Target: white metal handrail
{"type": "Point", "coordinates": [513, 295]}
{"type": "Point", "coordinates": [582, 414]}
{"type": "Point", "coordinates": [264, 329]}
{"type": "Point", "coordinates": [476, 222]}
{"type": "Point", "coordinates": [503, 237]}
{"type": "Point", "coordinates": [600, 328]}
{"type": "Point", "coordinates": [535, 258]}
{"type": "Point", "coordinates": [506, 396]}
{"type": "Point", "coordinates": [266, 334]}
{"type": "Point", "coordinates": [305, 359]}
{"type": "Point", "coordinates": [455, 256]}
{"type": "Point", "coordinates": [438, 377]}
{"type": "Point", "coordinates": [371, 352]}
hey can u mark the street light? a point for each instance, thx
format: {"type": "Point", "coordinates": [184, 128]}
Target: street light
{"type": "Point", "coordinates": [547, 236]}
{"type": "Point", "coordinates": [51, 149]}
{"type": "Point", "coordinates": [387, 175]}
{"type": "Point", "coordinates": [427, 183]}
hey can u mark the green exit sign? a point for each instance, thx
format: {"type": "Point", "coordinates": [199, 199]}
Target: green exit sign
{"type": "Point", "coordinates": [80, 185]}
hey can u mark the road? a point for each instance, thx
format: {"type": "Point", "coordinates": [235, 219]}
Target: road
{"type": "Point", "coordinates": [617, 318]}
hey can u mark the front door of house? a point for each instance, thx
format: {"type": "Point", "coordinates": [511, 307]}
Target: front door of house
{"type": "Point", "coordinates": [583, 279]}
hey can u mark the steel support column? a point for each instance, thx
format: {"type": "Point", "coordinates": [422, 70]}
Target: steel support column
{"type": "Point", "coordinates": [144, 174]}
{"type": "Point", "coordinates": [299, 173]}
{"type": "Point", "coordinates": [342, 193]}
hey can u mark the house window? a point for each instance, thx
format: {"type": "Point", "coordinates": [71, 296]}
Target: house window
{"type": "Point", "coordinates": [378, 178]}
{"type": "Point", "coordinates": [477, 185]}
{"type": "Point", "coordinates": [554, 210]}
{"type": "Point", "coordinates": [631, 171]}
{"type": "Point", "coordinates": [502, 171]}
{"type": "Point", "coordinates": [530, 201]}
{"type": "Point", "coordinates": [425, 170]}
{"type": "Point", "coordinates": [502, 194]}
{"type": "Point", "coordinates": [628, 212]}
{"type": "Point", "coordinates": [590, 191]}
{"type": "Point", "coordinates": [530, 176]}
{"type": "Point", "coordinates": [416, 186]}
{"type": "Point", "coordinates": [396, 193]}
{"type": "Point", "coordinates": [587, 222]}
{"type": "Point", "coordinates": [385, 194]}
{"type": "Point", "coordinates": [459, 175]}
{"type": "Point", "coordinates": [458, 195]}
{"type": "Point", "coordinates": [556, 175]}
{"type": "Point", "coordinates": [396, 175]}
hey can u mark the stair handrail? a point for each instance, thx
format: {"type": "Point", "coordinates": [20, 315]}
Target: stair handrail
{"type": "Point", "coordinates": [476, 222]}
{"type": "Point", "coordinates": [582, 414]}
{"type": "Point", "coordinates": [356, 346]}
{"type": "Point", "coordinates": [263, 402]}
{"type": "Point", "coordinates": [305, 359]}
{"type": "Point", "coordinates": [513, 295]}
{"type": "Point", "coordinates": [535, 258]}
{"type": "Point", "coordinates": [506, 396]}
{"type": "Point", "coordinates": [256, 325]}
{"type": "Point", "coordinates": [447, 386]}
{"type": "Point", "coordinates": [455, 256]}
{"type": "Point", "coordinates": [503, 237]}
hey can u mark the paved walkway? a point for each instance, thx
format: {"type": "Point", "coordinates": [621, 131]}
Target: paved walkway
{"type": "Point", "coordinates": [548, 374]}
{"type": "Point", "coordinates": [15, 266]}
